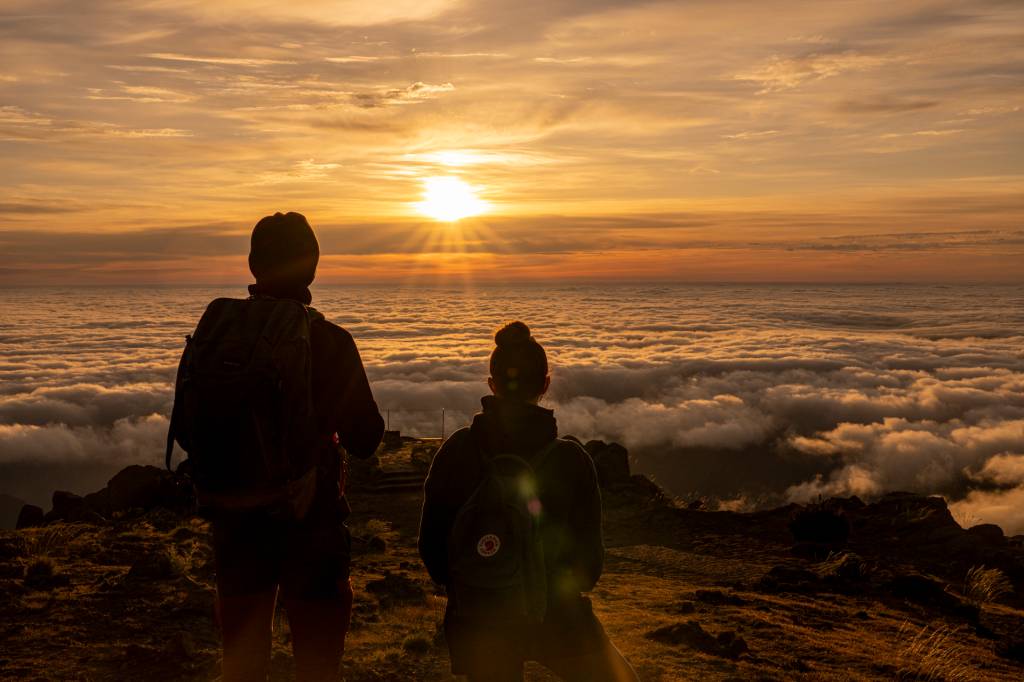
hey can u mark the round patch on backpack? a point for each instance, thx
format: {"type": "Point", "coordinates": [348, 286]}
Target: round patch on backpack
{"type": "Point", "coordinates": [488, 545]}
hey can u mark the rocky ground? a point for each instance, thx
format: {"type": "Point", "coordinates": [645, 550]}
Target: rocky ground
{"type": "Point", "coordinates": [118, 585]}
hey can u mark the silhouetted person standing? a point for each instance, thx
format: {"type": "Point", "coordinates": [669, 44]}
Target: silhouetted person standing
{"type": "Point", "coordinates": [267, 390]}
{"type": "Point", "coordinates": [511, 526]}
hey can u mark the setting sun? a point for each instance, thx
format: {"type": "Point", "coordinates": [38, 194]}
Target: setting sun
{"type": "Point", "coordinates": [448, 199]}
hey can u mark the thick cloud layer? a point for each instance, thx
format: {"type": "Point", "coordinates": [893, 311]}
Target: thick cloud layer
{"type": "Point", "coordinates": [761, 394]}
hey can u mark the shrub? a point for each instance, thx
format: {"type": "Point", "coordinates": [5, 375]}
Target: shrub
{"type": "Point", "coordinates": [40, 573]}
{"type": "Point", "coordinates": [41, 568]}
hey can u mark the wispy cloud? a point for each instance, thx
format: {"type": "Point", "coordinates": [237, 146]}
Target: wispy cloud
{"type": "Point", "coordinates": [785, 73]}
{"type": "Point", "coordinates": [572, 109]}
{"type": "Point", "coordinates": [225, 61]}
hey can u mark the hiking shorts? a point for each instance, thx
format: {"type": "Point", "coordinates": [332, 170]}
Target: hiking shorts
{"type": "Point", "coordinates": [306, 559]}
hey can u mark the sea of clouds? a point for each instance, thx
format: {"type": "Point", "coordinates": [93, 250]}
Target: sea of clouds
{"type": "Point", "coordinates": [750, 395]}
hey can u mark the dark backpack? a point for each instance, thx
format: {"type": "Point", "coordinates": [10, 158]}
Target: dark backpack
{"type": "Point", "coordinates": [495, 556]}
{"type": "Point", "coordinates": [243, 406]}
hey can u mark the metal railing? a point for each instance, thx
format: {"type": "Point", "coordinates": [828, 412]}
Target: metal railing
{"type": "Point", "coordinates": [442, 419]}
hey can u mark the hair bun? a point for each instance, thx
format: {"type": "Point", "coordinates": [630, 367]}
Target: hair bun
{"type": "Point", "coordinates": [512, 334]}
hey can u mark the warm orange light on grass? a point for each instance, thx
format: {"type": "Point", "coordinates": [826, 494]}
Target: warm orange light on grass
{"type": "Point", "coordinates": [447, 199]}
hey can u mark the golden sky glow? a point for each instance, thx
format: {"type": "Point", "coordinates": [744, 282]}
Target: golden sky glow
{"type": "Point", "coordinates": [703, 141]}
{"type": "Point", "coordinates": [447, 198]}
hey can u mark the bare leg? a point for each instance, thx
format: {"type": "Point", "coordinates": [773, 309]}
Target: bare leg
{"type": "Point", "coordinates": [508, 674]}
{"type": "Point", "coordinates": [246, 624]}
{"type": "Point", "coordinates": [318, 628]}
{"type": "Point", "coordinates": [604, 665]}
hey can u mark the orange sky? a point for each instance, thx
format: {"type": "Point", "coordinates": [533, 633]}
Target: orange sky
{"type": "Point", "coordinates": [699, 141]}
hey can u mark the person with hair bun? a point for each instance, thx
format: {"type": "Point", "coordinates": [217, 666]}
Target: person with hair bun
{"type": "Point", "coordinates": [565, 637]}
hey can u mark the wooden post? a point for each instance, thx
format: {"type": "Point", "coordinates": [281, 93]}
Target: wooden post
{"type": "Point", "coordinates": [388, 427]}
{"type": "Point", "coordinates": [442, 424]}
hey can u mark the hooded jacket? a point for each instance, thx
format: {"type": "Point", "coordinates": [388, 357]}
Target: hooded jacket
{"type": "Point", "coordinates": [342, 401]}
{"type": "Point", "coordinates": [568, 491]}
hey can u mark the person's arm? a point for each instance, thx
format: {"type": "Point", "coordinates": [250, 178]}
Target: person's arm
{"type": "Point", "coordinates": [441, 503]}
{"type": "Point", "coordinates": [353, 411]}
{"type": "Point", "coordinates": [586, 525]}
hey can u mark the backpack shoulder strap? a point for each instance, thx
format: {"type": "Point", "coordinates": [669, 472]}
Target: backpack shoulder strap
{"type": "Point", "coordinates": [546, 451]}
{"type": "Point", "coordinates": [532, 463]}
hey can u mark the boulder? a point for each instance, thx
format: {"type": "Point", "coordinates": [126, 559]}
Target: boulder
{"type": "Point", "coordinates": [30, 516]}
{"type": "Point", "coordinates": [926, 517]}
{"type": "Point", "coordinates": [64, 505]}
{"type": "Point", "coordinates": [85, 515]}
{"type": "Point", "coordinates": [930, 593]}
{"type": "Point", "coordinates": [612, 464]}
{"type": "Point", "coordinates": [645, 486]}
{"type": "Point", "coordinates": [99, 502]}
{"type": "Point", "coordinates": [144, 487]}
{"type": "Point", "coordinates": [790, 579]}
{"type": "Point", "coordinates": [726, 644]}
{"type": "Point", "coordinates": [988, 533]}
{"type": "Point", "coordinates": [135, 486]}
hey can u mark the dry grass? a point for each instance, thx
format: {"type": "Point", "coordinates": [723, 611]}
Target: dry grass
{"type": "Point", "coordinates": [40, 569]}
{"type": "Point", "coordinates": [49, 540]}
{"type": "Point", "coordinates": [417, 644]}
{"type": "Point", "coordinates": [985, 585]}
{"type": "Point", "coordinates": [933, 655]}
{"type": "Point", "coordinates": [656, 562]}
{"type": "Point", "coordinates": [844, 565]}
{"type": "Point", "coordinates": [370, 527]}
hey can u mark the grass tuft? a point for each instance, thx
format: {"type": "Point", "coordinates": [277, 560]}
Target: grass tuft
{"type": "Point", "coordinates": [933, 655]}
{"type": "Point", "coordinates": [417, 644]}
{"type": "Point", "coordinates": [985, 585]}
{"type": "Point", "coordinates": [40, 569]}
{"type": "Point", "coordinates": [41, 542]}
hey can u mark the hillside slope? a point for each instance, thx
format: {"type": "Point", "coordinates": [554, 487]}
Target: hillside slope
{"type": "Point", "coordinates": [871, 592]}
